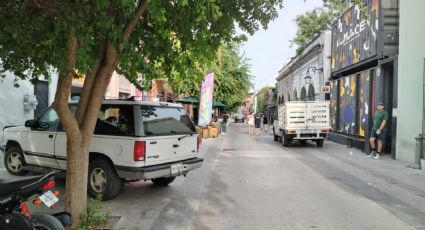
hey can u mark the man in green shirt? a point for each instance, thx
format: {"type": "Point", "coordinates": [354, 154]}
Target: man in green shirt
{"type": "Point", "coordinates": [378, 131]}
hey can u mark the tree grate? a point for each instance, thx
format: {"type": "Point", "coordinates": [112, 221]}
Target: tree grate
{"type": "Point", "coordinates": [109, 224]}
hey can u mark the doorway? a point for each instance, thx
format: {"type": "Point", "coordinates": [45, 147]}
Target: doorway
{"type": "Point", "coordinates": [41, 91]}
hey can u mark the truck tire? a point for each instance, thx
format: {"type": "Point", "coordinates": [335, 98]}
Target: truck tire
{"type": "Point", "coordinates": [163, 181]}
{"type": "Point", "coordinates": [103, 179]}
{"type": "Point", "coordinates": [320, 142]}
{"type": "Point", "coordinates": [285, 140]}
{"type": "Point", "coordinates": [275, 137]}
{"type": "Point", "coordinates": [14, 161]}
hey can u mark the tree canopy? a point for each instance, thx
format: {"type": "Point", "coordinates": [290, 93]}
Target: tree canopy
{"type": "Point", "coordinates": [232, 78]}
{"type": "Point", "coordinates": [175, 33]}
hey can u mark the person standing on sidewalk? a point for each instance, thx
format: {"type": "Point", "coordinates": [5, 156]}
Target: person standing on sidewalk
{"type": "Point", "coordinates": [378, 131]}
{"type": "Point", "coordinates": [258, 118]}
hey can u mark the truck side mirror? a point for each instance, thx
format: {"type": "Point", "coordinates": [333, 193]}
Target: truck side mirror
{"type": "Point", "coordinates": [30, 123]}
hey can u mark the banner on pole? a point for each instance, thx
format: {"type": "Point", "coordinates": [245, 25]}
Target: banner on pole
{"type": "Point", "coordinates": [206, 100]}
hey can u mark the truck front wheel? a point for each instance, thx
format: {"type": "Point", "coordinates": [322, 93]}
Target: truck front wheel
{"type": "Point", "coordinates": [14, 161]}
{"type": "Point", "coordinates": [275, 137]}
{"type": "Point", "coordinates": [285, 140]}
{"type": "Point", "coordinates": [320, 142]}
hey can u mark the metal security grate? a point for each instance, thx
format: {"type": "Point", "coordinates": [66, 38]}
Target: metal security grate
{"type": "Point", "coordinates": [109, 224]}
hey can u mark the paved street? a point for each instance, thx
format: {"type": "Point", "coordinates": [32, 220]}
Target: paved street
{"type": "Point", "coordinates": [252, 182]}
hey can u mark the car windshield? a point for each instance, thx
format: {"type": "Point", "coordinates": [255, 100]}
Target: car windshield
{"type": "Point", "coordinates": [159, 120]}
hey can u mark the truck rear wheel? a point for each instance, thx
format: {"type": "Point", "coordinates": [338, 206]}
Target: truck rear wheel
{"type": "Point", "coordinates": [103, 179]}
{"type": "Point", "coordinates": [320, 142]}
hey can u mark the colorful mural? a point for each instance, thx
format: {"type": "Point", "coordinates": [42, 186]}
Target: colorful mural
{"type": "Point", "coordinates": [354, 38]}
{"type": "Point", "coordinates": [333, 105]}
{"type": "Point", "coordinates": [364, 107]}
{"type": "Point", "coordinates": [347, 105]}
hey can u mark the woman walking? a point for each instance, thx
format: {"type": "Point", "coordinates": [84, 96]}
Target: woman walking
{"type": "Point", "coordinates": [250, 124]}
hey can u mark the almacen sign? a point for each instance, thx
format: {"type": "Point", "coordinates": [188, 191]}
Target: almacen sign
{"type": "Point", "coordinates": [355, 36]}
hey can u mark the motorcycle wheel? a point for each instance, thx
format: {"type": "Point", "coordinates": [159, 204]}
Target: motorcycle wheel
{"type": "Point", "coordinates": [46, 222]}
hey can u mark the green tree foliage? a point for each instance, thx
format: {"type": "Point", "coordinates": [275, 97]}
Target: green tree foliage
{"type": "Point", "coordinates": [98, 37]}
{"type": "Point", "coordinates": [232, 78]}
{"type": "Point", "coordinates": [312, 23]}
{"type": "Point", "coordinates": [263, 97]}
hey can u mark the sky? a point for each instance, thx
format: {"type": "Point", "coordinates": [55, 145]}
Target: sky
{"type": "Point", "coordinates": [268, 50]}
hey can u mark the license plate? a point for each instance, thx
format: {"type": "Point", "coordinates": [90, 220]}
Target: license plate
{"type": "Point", "coordinates": [178, 168]}
{"type": "Point", "coordinates": [48, 198]}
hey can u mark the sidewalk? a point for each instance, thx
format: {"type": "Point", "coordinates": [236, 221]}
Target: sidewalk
{"type": "Point", "coordinates": [390, 183]}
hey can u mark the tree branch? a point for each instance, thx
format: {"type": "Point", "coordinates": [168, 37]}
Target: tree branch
{"type": "Point", "coordinates": [89, 81]}
{"type": "Point", "coordinates": [103, 78]}
{"type": "Point", "coordinates": [63, 91]}
{"type": "Point", "coordinates": [141, 8]}
{"type": "Point", "coordinates": [50, 6]}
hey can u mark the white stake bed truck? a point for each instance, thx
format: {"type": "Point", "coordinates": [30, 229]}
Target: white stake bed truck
{"type": "Point", "coordinates": [302, 121]}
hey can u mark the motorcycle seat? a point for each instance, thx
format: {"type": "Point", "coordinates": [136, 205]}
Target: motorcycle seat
{"type": "Point", "coordinates": [8, 186]}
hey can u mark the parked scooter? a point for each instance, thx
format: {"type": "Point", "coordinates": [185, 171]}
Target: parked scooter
{"type": "Point", "coordinates": [14, 212]}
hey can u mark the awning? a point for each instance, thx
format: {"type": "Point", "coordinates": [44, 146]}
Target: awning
{"type": "Point", "coordinates": [219, 104]}
{"type": "Point", "coordinates": [194, 101]}
{"type": "Point", "coordinates": [188, 100]}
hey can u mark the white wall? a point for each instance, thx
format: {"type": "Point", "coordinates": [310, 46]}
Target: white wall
{"type": "Point", "coordinates": [11, 103]}
{"type": "Point", "coordinates": [410, 77]}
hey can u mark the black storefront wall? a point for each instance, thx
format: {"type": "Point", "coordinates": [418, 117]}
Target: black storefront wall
{"type": "Point", "coordinates": [363, 71]}
{"type": "Point", "coordinates": [353, 104]}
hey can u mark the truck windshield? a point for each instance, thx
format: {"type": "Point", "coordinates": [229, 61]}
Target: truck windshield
{"type": "Point", "coordinates": [159, 120]}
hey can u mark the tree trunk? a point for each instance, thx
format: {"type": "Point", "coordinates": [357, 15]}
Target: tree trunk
{"type": "Point", "coordinates": [76, 178]}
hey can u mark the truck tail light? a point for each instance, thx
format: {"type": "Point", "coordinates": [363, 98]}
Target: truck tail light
{"type": "Point", "coordinates": [198, 143]}
{"type": "Point", "coordinates": [291, 132]}
{"type": "Point", "coordinates": [139, 151]}
{"type": "Point", "coordinates": [49, 185]}
{"type": "Point", "coordinates": [325, 130]}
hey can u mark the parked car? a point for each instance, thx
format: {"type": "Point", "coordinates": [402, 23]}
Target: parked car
{"type": "Point", "coordinates": [133, 140]}
{"type": "Point", "coordinates": [239, 118]}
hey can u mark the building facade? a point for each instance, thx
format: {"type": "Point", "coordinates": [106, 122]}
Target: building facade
{"type": "Point", "coordinates": [409, 108]}
{"type": "Point", "coordinates": [364, 72]}
{"type": "Point", "coordinates": [20, 100]}
{"type": "Point", "coordinates": [305, 75]}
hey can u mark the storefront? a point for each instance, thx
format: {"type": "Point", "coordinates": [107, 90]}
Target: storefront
{"type": "Point", "coordinates": [364, 72]}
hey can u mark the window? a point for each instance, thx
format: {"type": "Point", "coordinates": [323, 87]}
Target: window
{"type": "Point", "coordinates": [165, 121]}
{"type": "Point", "coordinates": [48, 121]}
{"type": "Point", "coordinates": [115, 120]}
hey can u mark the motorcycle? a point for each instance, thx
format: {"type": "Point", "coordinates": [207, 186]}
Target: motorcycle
{"type": "Point", "coordinates": [14, 211]}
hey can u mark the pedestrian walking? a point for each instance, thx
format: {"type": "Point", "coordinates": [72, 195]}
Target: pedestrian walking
{"type": "Point", "coordinates": [251, 124]}
{"type": "Point", "coordinates": [225, 120]}
{"type": "Point", "coordinates": [378, 132]}
{"type": "Point", "coordinates": [265, 124]}
{"type": "Point", "coordinates": [258, 118]}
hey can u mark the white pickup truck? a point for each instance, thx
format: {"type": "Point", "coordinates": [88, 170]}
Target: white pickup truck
{"type": "Point", "coordinates": [133, 140]}
{"type": "Point", "coordinates": [302, 121]}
